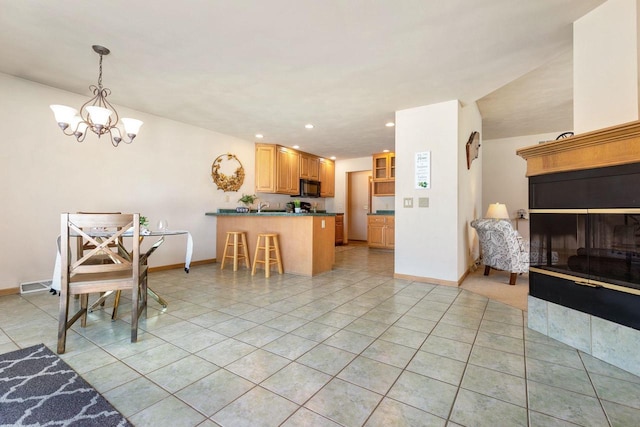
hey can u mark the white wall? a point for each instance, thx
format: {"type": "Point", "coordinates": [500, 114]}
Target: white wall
{"type": "Point", "coordinates": [605, 66]}
{"type": "Point", "coordinates": [504, 177]}
{"type": "Point", "coordinates": [470, 188]}
{"type": "Point", "coordinates": [165, 173]}
{"type": "Point", "coordinates": [427, 238]}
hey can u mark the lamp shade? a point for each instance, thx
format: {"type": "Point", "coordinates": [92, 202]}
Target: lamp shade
{"type": "Point", "coordinates": [497, 211]}
{"type": "Point", "coordinates": [131, 126]}
{"type": "Point", "coordinates": [63, 113]}
{"type": "Point", "coordinates": [99, 115]}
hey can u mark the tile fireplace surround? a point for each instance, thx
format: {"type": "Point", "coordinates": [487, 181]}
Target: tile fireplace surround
{"type": "Point", "coordinates": [577, 315]}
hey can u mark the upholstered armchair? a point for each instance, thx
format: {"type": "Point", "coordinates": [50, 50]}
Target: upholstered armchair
{"type": "Point", "coordinates": [502, 247]}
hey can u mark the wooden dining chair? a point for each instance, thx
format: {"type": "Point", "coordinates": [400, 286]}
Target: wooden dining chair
{"type": "Point", "coordinates": [82, 277]}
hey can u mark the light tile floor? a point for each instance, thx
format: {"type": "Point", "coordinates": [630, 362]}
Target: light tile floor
{"type": "Point", "coordinates": [351, 347]}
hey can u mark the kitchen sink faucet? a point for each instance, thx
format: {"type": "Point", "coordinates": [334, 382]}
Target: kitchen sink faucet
{"type": "Point", "coordinates": [262, 206]}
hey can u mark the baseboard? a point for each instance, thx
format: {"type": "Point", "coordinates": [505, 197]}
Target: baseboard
{"type": "Point", "coordinates": [425, 280]}
{"type": "Point", "coordinates": [9, 291]}
{"type": "Point", "coordinates": [178, 266]}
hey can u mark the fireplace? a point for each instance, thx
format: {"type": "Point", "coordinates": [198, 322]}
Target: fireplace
{"type": "Point", "coordinates": [585, 241]}
{"type": "Point", "coordinates": [584, 278]}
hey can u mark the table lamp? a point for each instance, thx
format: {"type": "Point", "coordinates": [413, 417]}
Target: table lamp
{"type": "Point", "coordinates": [497, 211]}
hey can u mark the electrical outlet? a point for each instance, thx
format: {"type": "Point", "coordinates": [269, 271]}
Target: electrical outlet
{"type": "Point", "coordinates": [323, 223]}
{"type": "Point", "coordinates": [423, 202]}
{"type": "Point", "coordinates": [408, 202]}
{"type": "Point", "coordinates": [226, 198]}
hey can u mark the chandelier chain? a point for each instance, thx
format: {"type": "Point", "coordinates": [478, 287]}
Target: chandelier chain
{"type": "Point", "coordinates": [100, 73]}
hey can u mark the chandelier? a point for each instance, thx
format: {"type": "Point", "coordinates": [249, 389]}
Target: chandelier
{"type": "Point", "coordinates": [96, 114]}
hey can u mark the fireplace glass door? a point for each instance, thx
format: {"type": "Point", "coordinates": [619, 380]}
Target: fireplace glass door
{"type": "Point", "coordinates": [600, 245]}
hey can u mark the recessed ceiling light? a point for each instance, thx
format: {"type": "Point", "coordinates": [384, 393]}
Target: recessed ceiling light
{"type": "Point", "coordinates": [385, 151]}
{"type": "Point", "coordinates": [296, 146]}
{"type": "Point", "coordinates": [332, 157]}
{"type": "Point", "coordinates": [390, 124]}
{"type": "Point", "coordinates": [259, 135]}
{"type": "Point", "coordinates": [309, 126]}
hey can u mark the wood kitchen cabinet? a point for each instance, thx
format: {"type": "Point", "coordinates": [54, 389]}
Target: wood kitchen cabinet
{"type": "Point", "coordinates": [309, 166]}
{"type": "Point", "coordinates": [287, 171]}
{"type": "Point", "coordinates": [327, 178]}
{"type": "Point", "coordinates": [277, 169]}
{"type": "Point", "coordinates": [384, 174]}
{"type": "Point", "coordinates": [381, 231]}
{"type": "Point", "coordinates": [339, 229]}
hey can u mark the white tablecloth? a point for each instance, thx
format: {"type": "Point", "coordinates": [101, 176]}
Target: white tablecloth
{"type": "Point", "coordinates": [57, 269]}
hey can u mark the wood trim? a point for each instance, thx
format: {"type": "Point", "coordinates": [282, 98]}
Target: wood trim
{"type": "Point", "coordinates": [612, 146]}
{"type": "Point", "coordinates": [176, 266]}
{"type": "Point", "coordinates": [425, 280]}
{"type": "Point", "coordinates": [9, 291]}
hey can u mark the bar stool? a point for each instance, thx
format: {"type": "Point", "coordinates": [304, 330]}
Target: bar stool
{"type": "Point", "coordinates": [236, 240]}
{"type": "Point", "coordinates": [269, 245]}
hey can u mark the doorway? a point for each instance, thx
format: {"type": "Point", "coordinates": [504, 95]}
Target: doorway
{"type": "Point", "coordinates": [358, 204]}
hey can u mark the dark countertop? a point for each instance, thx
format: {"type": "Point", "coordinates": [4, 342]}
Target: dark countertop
{"type": "Point", "coordinates": [379, 212]}
{"type": "Point", "coordinates": [232, 212]}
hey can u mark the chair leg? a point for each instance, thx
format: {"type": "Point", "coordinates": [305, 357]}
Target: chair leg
{"type": "Point", "coordinates": [84, 303]}
{"type": "Point", "coordinates": [512, 279]}
{"type": "Point", "coordinates": [62, 322]}
{"type": "Point", "coordinates": [278, 257]}
{"type": "Point", "coordinates": [486, 270]}
{"type": "Point", "coordinates": [134, 311]}
{"type": "Point", "coordinates": [245, 250]}
{"type": "Point", "coordinates": [224, 252]}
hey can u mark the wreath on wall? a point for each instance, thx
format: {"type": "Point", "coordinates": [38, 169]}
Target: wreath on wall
{"type": "Point", "coordinates": [227, 182]}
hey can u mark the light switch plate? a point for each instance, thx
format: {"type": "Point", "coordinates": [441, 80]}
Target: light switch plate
{"type": "Point", "coordinates": [423, 202]}
{"type": "Point", "coordinates": [408, 202]}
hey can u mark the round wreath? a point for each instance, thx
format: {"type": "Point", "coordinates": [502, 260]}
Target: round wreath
{"type": "Point", "coordinates": [227, 182]}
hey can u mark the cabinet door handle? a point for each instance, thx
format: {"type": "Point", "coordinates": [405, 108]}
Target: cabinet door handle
{"type": "Point", "coordinates": [590, 285]}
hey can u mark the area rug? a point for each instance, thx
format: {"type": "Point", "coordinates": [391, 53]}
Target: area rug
{"type": "Point", "coordinates": [37, 388]}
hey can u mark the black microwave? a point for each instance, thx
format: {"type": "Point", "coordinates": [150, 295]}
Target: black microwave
{"type": "Point", "coordinates": [309, 188]}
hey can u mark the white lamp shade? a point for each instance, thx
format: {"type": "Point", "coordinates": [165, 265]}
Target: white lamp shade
{"type": "Point", "coordinates": [63, 113]}
{"type": "Point", "coordinates": [131, 126]}
{"type": "Point", "coordinates": [98, 115]}
{"type": "Point", "coordinates": [497, 211]}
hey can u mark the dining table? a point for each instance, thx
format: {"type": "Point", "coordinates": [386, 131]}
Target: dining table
{"type": "Point", "coordinates": [122, 250]}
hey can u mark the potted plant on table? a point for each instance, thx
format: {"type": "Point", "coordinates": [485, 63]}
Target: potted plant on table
{"type": "Point", "coordinates": [247, 200]}
{"type": "Point", "coordinates": [296, 205]}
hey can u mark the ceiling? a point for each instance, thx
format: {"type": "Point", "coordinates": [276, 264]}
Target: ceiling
{"type": "Point", "coordinates": [242, 67]}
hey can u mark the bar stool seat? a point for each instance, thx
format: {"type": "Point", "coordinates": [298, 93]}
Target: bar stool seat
{"type": "Point", "coordinates": [238, 241]}
{"type": "Point", "coordinates": [268, 243]}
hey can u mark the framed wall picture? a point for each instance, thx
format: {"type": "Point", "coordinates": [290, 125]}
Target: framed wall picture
{"type": "Point", "coordinates": [423, 170]}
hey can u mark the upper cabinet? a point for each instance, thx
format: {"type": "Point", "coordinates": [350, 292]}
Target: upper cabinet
{"type": "Point", "coordinates": [384, 174]}
{"type": "Point", "coordinates": [265, 168]}
{"type": "Point", "coordinates": [309, 166]}
{"type": "Point", "coordinates": [287, 171]}
{"type": "Point", "coordinates": [327, 178]}
{"type": "Point", "coordinates": [279, 170]}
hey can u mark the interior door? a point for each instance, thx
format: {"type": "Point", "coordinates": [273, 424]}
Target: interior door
{"type": "Point", "coordinates": [359, 204]}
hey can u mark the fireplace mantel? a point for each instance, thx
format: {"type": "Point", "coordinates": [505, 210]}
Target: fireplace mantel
{"type": "Point", "coordinates": [616, 145]}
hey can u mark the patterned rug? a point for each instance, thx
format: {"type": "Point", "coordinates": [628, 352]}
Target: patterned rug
{"type": "Point", "coordinates": [37, 388]}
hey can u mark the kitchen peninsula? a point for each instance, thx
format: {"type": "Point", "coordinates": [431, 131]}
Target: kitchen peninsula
{"type": "Point", "coordinates": [307, 240]}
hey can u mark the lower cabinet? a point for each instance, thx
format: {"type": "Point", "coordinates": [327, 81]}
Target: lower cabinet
{"type": "Point", "coordinates": [381, 231]}
{"type": "Point", "coordinates": [339, 229]}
